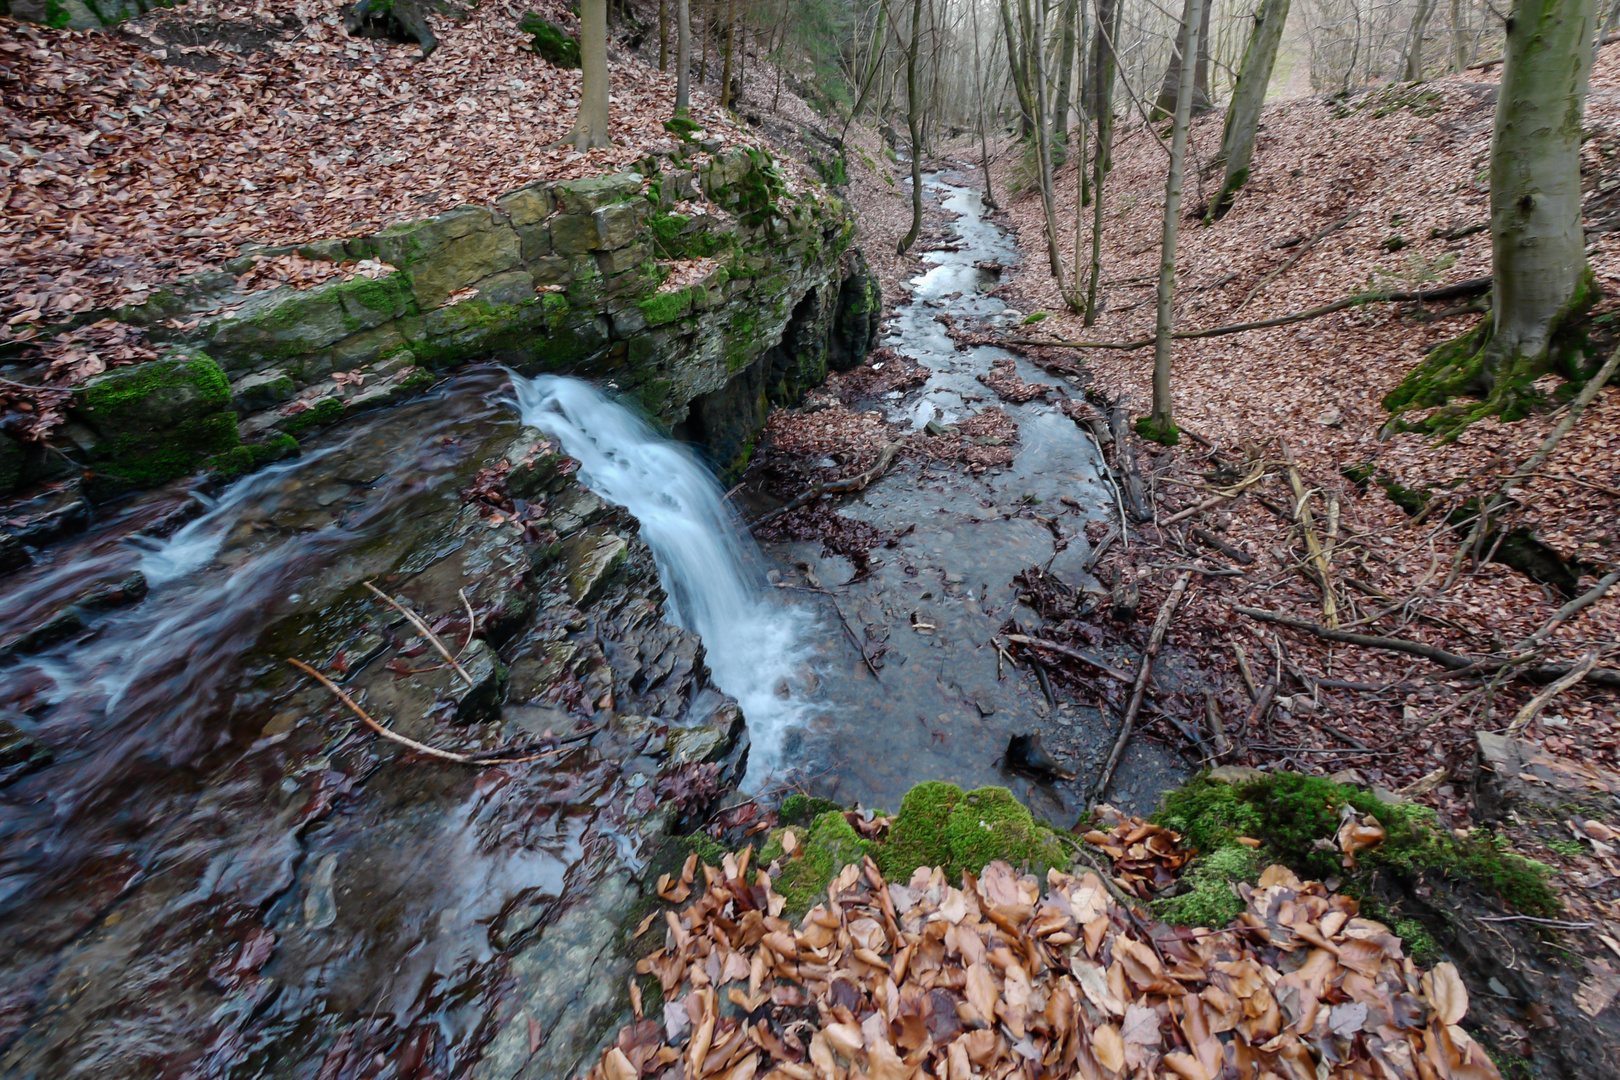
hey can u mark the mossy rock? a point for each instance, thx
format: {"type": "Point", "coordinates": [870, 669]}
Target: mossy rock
{"type": "Point", "coordinates": [155, 421]}
{"type": "Point", "coordinates": [938, 825]}
{"type": "Point", "coordinates": [551, 42]}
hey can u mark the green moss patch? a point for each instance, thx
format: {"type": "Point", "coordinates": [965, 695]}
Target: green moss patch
{"type": "Point", "coordinates": [938, 825]}
{"type": "Point", "coordinates": [550, 41]}
{"type": "Point", "coordinates": [1296, 818]}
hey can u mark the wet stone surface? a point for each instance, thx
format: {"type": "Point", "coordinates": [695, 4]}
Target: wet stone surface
{"type": "Point", "coordinates": [944, 706]}
{"type": "Point", "coordinates": [209, 868]}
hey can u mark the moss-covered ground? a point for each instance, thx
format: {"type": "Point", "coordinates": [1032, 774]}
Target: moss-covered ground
{"type": "Point", "coordinates": [1295, 818]}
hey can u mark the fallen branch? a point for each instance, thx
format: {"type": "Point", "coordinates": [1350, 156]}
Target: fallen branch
{"type": "Point", "coordinates": [1304, 247]}
{"type": "Point", "coordinates": [1237, 555]}
{"type": "Point", "coordinates": [1139, 690]}
{"type": "Point", "coordinates": [476, 760]}
{"type": "Point", "coordinates": [1313, 545]}
{"type": "Point", "coordinates": [1072, 654]}
{"type": "Point", "coordinates": [1536, 460]}
{"type": "Point", "coordinates": [836, 487]}
{"type": "Point", "coordinates": [1533, 707]}
{"type": "Point", "coordinates": [1472, 287]}
{"type": "Point", "coordinates": [1545, 673]}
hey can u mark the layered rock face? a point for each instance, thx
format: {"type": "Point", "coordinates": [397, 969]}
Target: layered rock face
{"type": "Point", "coordinates": [706, 318]}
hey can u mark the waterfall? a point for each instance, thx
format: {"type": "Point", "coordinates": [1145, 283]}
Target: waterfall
{"type": "Point", "coordinates": [706, 562]}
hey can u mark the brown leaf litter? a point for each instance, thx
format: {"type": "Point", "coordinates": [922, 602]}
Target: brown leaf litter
{"type": "Point", "coordinates": [1012, 977]}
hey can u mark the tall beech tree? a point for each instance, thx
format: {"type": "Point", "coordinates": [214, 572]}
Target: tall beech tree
{"type": "Point", "coordinates": [1538, 250]}
{"type": "Point", "coordinates": [1161, 425]}
{"type": "Point", "coordinates": [1243, 114]}
{"type": "Point", "coordinates": [591, 125]}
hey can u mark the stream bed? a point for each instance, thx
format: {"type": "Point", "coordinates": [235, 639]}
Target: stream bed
{"type": "Point", "coordinates": [943, 707]}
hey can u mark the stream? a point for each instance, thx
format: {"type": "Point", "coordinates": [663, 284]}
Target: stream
{"type": "Point", "coordinates": [218, 872]}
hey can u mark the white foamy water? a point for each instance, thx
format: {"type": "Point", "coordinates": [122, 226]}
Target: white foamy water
{"type": "Point", "coordinates": [706, 562]}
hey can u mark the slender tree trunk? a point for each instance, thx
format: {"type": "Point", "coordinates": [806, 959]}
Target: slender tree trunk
{"type": "Point", "coordinates": [1103, 83]}
{"type": "Point", "coordinates": [980, 93]}
{"type": "Point", "coordinates": [1609, 22]}
{"type": "Point", "coordinates": [591, 125]}
{"type": "Point", "coordinates": [683, 57]}
{"type": "Point", "coordinates": [1162, 425]}
{"type": "Point", "coordinates": [1170, 90]}
{"type": "Point", "coordinates": [708, 32]}
{"type": "Point", "coordinates": [879, 43]}
{"type": "Point", "coordinates": [730, 48]}
{"type": "Point", "coordinates": [913, 107]}
{"type": "Point", "coordinates": [1015, 64]}
{"type": "Point", "coordinates": [663, 35]}
{"type": "Point", "coordinates": [1414, 41]}
{"type": "Point", "coordinates": [1459, 38]}
{"type": "Point", "coordinates": [1248, 97]}
{"type": "Point", "coordinates": [1101, 49]}
{"type": "Point", "coordinates": [1541, 281]}
{"type": "Point", "coordinates": [1065, 59]}
{"type": "Point", "coordinates": [1043, 146]}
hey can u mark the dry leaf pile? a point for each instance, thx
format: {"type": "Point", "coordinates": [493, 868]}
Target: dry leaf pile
{"type": "Point", "coordinates": [1145, 856]}
{"type": "Point", "coordinates": [1003, 379]}
{"type": "Point", "coordinates": [1010, 978]}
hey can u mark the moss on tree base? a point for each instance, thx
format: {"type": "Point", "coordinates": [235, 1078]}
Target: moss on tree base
{"type": "Point", "coordinates": [1470, 366]}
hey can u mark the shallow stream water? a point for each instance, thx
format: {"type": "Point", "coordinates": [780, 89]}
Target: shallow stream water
{"type": "Point", "coordinates": [943, 707]}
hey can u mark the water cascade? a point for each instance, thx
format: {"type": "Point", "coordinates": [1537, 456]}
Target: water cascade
{"type": "Point", "coordinates": [708, 565]}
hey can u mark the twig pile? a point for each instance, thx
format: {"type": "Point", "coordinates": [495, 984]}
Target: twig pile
{"type": "Point", "coordinates": [1000, 979]}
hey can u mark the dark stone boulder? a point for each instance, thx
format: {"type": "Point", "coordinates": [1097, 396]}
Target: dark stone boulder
{"type": "Point", "coordinates": [859, 315]}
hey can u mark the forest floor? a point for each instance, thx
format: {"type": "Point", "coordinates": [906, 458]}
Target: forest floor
{"type": "Point", "coordinates": [1401, 168]}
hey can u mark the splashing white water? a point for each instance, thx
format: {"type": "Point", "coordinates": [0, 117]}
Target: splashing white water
{"type": "Point", "coordinates": [755, 647]}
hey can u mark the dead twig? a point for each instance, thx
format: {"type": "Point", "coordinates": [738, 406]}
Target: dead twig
{"type": "Point", "coordinates": [476, 760]}
{"type": "Point", "coordinates": [1139, 690]}
{"type": "Point", "coordinates": [1313, 544]}
{"type": "Point", "coordinates": [422, 628]}
{"type": "Point", "coordinates": [1533, 707]}
{"type": "Point", "coordinates": [1072, 654]}
{"type": "Point", "coordinates": [1303, 248]}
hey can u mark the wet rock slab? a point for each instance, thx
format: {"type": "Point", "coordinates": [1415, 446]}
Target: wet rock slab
{"type": "Point", "coordinates": [240, 879]}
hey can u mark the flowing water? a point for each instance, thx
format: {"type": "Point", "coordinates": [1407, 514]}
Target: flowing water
{"type": "Point", "coordinates": [755, 646]}
{"type": "Point", "coordinates": [945, 705]}
{"type": "Point", "coordinates": [219, 873]}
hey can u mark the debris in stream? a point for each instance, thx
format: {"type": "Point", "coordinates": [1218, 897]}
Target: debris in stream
{"type": "Point", "coordinates": [982, 441]}
{"type": "Point", "coordinates": [1028, 755]}
{"type": "Point", "coordinates": [1003, 379]}
{"type": "Point", "coordinates": [884, 371]}
{"type": "Point", "coordinates": [1010, 977]}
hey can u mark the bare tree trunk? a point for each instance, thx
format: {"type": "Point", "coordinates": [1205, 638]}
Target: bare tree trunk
{"type": "Point", "coordinates": [1248, 96]}
{"type": "Point", "coordinates": [591, 125]}
{"type": "Point", "coordinates": [663, 35]}
{"type": "Point", "coordinates": [1541, 281]}
{"type": "Point", "coordinates": [708, 32]}
{"type": "Point", "coordinates": [1094, 90]}
{"type": "Point", "coordinates": [1108, 14]}
{"type": "Point", "coordinates": [1015, 64]}
{"type": "Point", "coordinates": [1065, 59]}
{"type": "Point", "coordinates": [1414, 41]}
{"type": "Point", "coordinates": [1459, 38]}
{"type": "Point", "coordinates": [1161, 424]}
{"type": "Point", "coordinates": [912, 108]}
{"type": "Point", "coordinates": [1170, 90]}
{"type": "Point", "coordinates": [1043, 144]}
{"type": "Point", "coordinates": [683, 57]}
{"type": "Point", "coordinates": [730, 48]}
{"type": "Point", "coordinates": [879, 43]}
{"type": "Point", "coordinates": [980, 92]}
